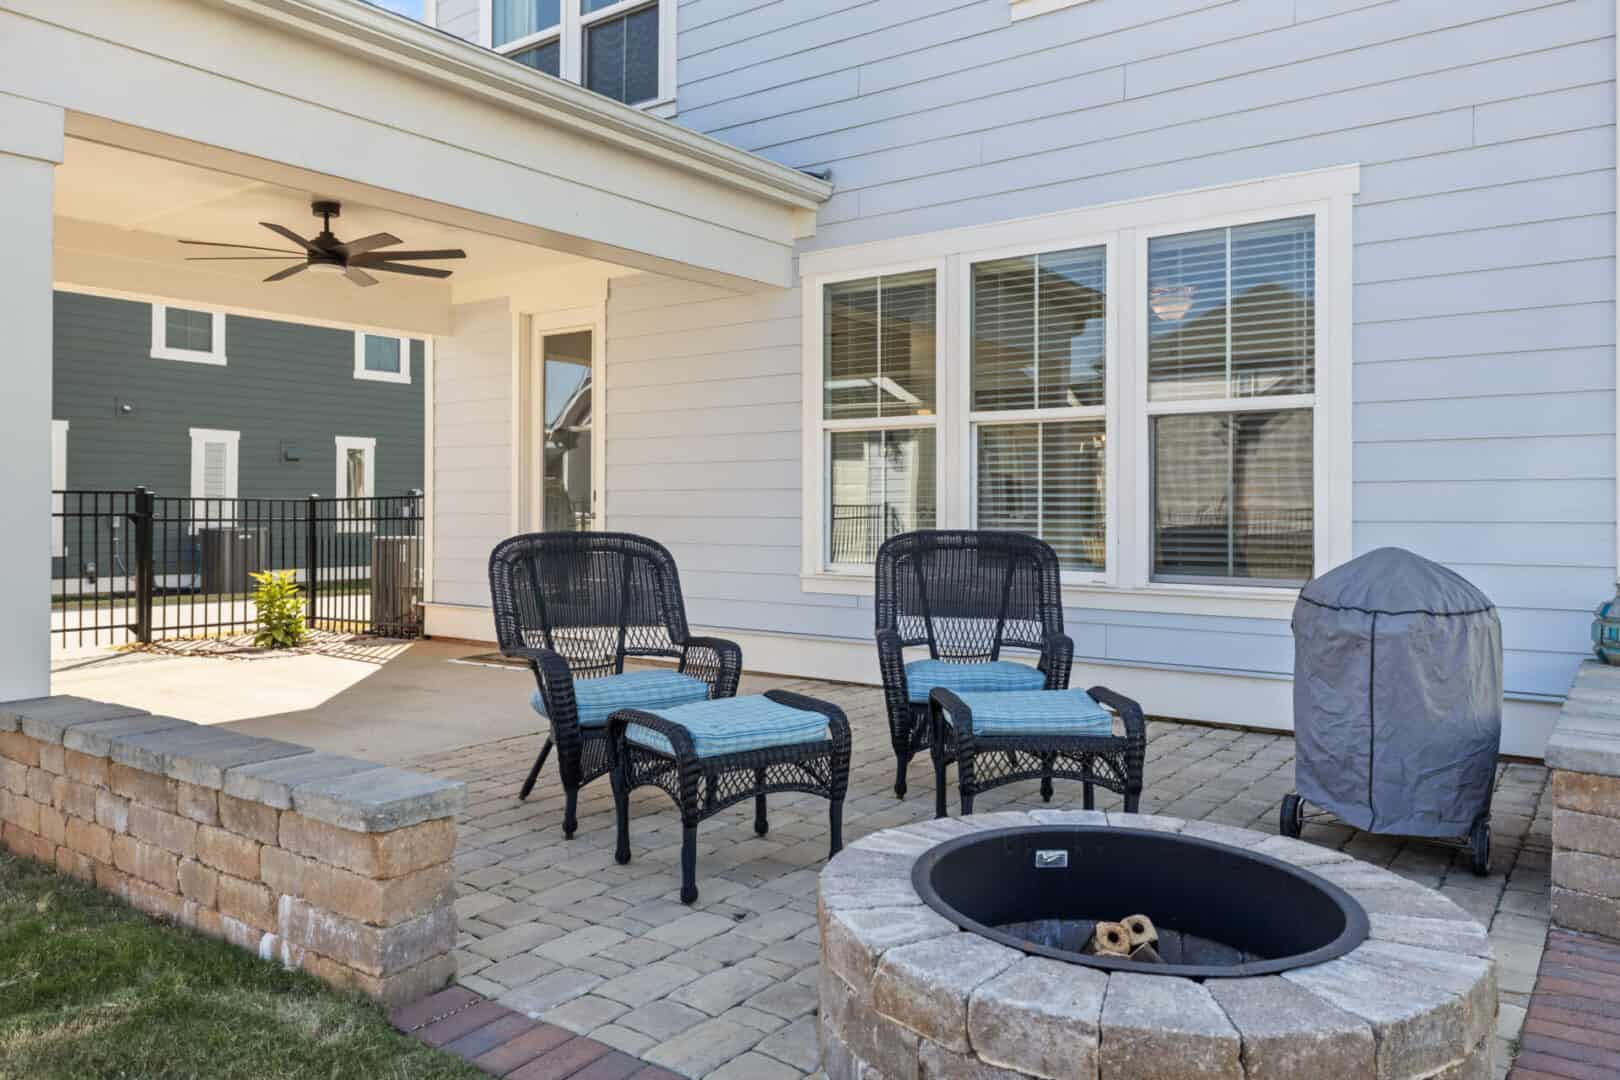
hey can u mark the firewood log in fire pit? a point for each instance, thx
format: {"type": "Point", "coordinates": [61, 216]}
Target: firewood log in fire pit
{"type": "Point", "coordinates": [1110, 939]}
{"type": "Point", "coordinates": [1135, 937]}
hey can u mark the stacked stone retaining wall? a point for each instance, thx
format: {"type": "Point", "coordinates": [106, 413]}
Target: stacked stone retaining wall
{"type": "Point", "coordinates": [331, 864]}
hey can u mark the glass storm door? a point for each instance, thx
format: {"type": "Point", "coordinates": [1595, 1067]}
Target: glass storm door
{"type": "Point", "coordinates": [567, 496]}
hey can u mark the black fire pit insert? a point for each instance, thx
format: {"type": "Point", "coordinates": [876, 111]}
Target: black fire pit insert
{"type": "Point", "coordinates": [1221, 911]}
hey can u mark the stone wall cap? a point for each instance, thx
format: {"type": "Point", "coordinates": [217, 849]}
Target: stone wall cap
{"type": "Point", "coordinates": [96, 738]}
{"type": "Point", "coordinates": [379, 800]}
{"type": "Point", "coordinates": [194, 753]}
{"type": "Point", "coordinates": [272, 782]}
{"type": "Point", "coordinates": [47, 718]}
{"type": "Point", "coordinates": [1586, 737]}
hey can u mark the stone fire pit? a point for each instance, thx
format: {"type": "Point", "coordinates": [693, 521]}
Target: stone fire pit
{"type": "Point", "coordinates": [907, 994]}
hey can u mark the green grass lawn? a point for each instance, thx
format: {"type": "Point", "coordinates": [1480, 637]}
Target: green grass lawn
{"type": "Point", "coordinates": [89, 987]}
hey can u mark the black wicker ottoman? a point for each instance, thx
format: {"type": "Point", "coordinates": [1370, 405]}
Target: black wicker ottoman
{"type": "Point", "coordinates": [710, 755]}
{"type": "Point", "coordinates": [996, 738]}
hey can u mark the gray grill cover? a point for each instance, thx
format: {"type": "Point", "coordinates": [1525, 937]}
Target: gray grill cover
{"type": "Point", "coordinates": [1397, 695]}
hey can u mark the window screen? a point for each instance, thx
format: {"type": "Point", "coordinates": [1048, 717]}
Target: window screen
{"type": "Point", "coordinates": [546, 58]}
{"type": "Point", "coordinates": [621, 56]}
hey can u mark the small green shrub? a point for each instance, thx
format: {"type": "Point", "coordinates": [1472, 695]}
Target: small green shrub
{"type": "Point", "coordinates": [280, 603]}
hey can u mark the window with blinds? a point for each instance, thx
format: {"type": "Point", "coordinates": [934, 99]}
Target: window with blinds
{"type": "Point", "coordinates": [879, 339]}
{"type": "Point", "coordinates": [1038, 384]}
{"type": "Point", "coordinates": [1231, 370]}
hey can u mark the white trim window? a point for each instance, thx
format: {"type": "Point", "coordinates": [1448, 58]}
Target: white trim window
{"type": "Point", "coordinates": [875, 429]}
{"type": "Point", "coordinates": [356, 478]}
{"type": "Point", "coordinates": [622, 49]}
{"type": "Point", "coordinates": [379, 358]}
{"type": "Point", "coordinates": [1159, 388]}
{"type": "Point", "coordinates": [214, 470]}
{"type": "Point", "coordinates": [188, 334]}
{"type": "Point", "coordinates": [59, 434]}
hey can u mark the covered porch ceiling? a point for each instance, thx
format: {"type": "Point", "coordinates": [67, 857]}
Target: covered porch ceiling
{"type": "Point", "coordinates": [208, 116]}
{"type": "Point", "coordinates": [121, 214]}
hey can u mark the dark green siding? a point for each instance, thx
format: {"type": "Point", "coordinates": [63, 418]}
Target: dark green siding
{"type": "Point", "coordinates": [284, 383]}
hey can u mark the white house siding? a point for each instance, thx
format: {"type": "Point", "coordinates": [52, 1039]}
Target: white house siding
{"type": "Point", "coordinates": [472, 449]}
{"type": "Point", "coordinates": [1484, 266]}
{"type": "Point", "coordinates": [459, 17]}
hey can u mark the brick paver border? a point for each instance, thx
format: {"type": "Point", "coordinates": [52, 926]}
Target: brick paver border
{"type": "Point", "coordinates": [505, 1043]}
{"type": "Point", "coordinates": [1572, 1030]}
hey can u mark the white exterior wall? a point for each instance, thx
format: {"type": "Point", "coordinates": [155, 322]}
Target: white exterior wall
{"type": "Point", "coordinates": [471, 470]}
{"type": "Point", "coordinates": [1484, 271]}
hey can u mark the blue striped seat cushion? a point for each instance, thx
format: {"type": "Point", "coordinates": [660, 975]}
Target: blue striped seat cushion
{"type": "Point", "coordinates": [598, 699]}
{"type": "Point", "coordinates": [924, 675]}
{"type": "Point", "coordinates": [1038, 712]}
{"type": "Point", "coordinates": [733, 725]}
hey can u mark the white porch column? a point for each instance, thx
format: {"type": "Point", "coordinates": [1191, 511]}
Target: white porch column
{"type": "Point", "coordinates": [30, 150]}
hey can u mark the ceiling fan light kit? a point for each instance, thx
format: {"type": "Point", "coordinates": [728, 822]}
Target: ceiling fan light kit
{"type": "Point", "coordinates": [326, 254]}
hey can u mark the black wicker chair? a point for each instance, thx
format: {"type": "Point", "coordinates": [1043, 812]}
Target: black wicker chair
{"type": "Point", "coordinates": [575, 605]}
{"type": "Point", "coordinates": [967, 595]}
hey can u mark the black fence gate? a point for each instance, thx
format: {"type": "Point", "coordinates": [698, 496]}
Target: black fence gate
{"type": "Point", "coordinates": [133, 566]}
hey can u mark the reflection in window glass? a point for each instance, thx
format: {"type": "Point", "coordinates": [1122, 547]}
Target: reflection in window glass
{"type": "Point", "coordinates": [1232, 312]}
{"type": "Point", "coordinates": [1233, 496]}
{"type": "Point", "coordinates": [878, 344]}
{"type": "Point", "coordinates": [621, 56]}
{"type": "Point", "coordinates": [514, 19]}
{"type": "Point", "coordinates": [546, 58]}
{"type": "Point", "coordinates": [1048, 480]}
{"type": "Point", "coordinates": [355, 473]}
{"type": "Point", "coordinates": [1040, 330]}
{"type": "Point", "coordinates": [566, 500]}
{"type": "Point", "coordinates": [187, 329]}
{"type": "Point", "coordinates": [383, 354]}
{"type": "Point", "coordinates": [882, 484]}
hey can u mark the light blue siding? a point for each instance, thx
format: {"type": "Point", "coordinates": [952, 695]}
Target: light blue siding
{"type": "Point", "coordinates": [1484, 411]}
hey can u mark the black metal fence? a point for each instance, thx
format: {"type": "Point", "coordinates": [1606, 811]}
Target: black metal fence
{"type": "Point", "coordinates": [133, 566]}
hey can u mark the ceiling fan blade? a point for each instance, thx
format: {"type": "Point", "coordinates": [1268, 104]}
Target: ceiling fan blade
{"type": "Point", "coordinates": [394, 256]}
{"type": "Point", "coordinates": [371, 243]}
{"type": "Point", "coordinates": [359, 277]}
{"type": "Point", "coordinates": [244, 247]}
{"type": "Point", "coordinates": [280, 275]}
{"type": "Point", "coordinates": [241, 258]}
{"type": "Point", "coordinates": [419, 271]}
{"type": "Point", "coordinates": [282, 230]}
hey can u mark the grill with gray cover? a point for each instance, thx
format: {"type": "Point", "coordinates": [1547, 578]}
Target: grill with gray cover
{"type": "Point", "coordinates": [1397, 701]}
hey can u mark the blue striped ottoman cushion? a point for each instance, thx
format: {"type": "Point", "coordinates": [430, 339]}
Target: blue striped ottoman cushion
{"type": "Point", "coordinates": [598, 699]}
{"type": "Point", "coordinates": [996, 675]}
{"type": "Point", "coordinates": [1038, 712]}
{"type": "Point", "coordinates": [733, 725]}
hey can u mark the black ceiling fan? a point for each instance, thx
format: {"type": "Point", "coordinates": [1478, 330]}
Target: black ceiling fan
{"type": "Point", "coordinates": [329, 254]}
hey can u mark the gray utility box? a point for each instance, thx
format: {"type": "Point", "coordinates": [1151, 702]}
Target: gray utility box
{"type": "Point", "coordinates": [396, 585]}
{"type": "Point", "coordinates": [229, 555]}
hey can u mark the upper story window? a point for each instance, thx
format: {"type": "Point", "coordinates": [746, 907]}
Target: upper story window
{"type": "Point", "coordinates": [623, 49]}
{"type": "Point", "coordinates": [382, 359]}
{"type": "Point", "coordinates": [188, 334]}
